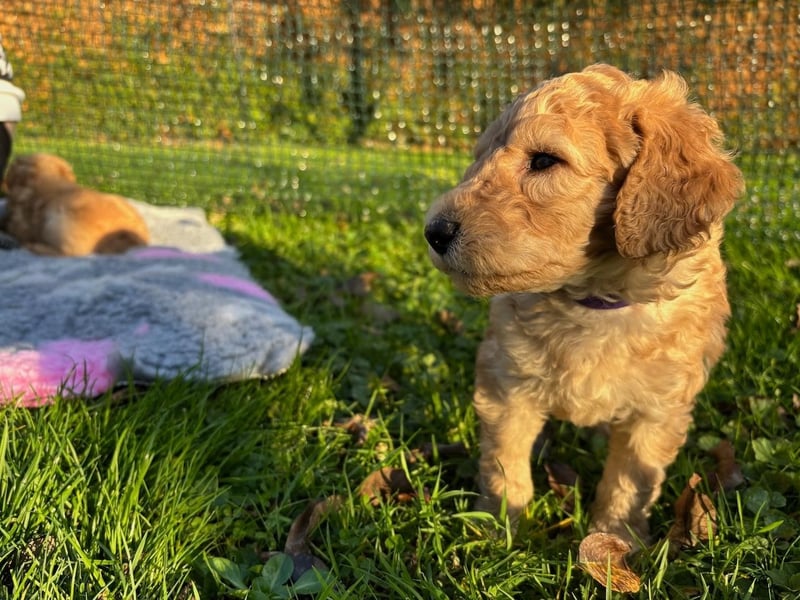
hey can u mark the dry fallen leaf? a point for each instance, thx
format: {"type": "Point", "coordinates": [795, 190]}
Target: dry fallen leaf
{"type": "Point", "coordinates": [695, 517]}
{"type": "Point", "coordinates": [429, 451]}
{"type": "Point", "coordinates": [390, 385]}
{"type": "Point", "coordinates": [602, 555]}
{"type": "Point", "coordinates": [307, 521]}
{"type": "Point", "coordinates": [358, 426]}
{"type": "Point", "coordinates": [297, 545]}
{"type": "Point", "coordinates": [360, 285]}
{"type": "Point", "coordinates": [385, 483]}
{"type": "Point", "coordinates": [562, 479]}
{"type": "Point", "coordinates": [451, 322]}
{"type": "Point", "coordinates": [728, 474]}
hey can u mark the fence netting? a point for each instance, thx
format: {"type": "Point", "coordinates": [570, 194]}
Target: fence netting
{"type": "Point", "coordinates": [192, 85]}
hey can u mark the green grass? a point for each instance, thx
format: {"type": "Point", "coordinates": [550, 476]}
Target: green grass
{"type": "Point", "coordinates": [135, 495]}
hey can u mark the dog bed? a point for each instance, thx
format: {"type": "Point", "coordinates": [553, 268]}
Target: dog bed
{"type": "Point", "coordinates": [183, 306]}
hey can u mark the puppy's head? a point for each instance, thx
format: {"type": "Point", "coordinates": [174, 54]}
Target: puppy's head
{"type": "Point", "coordinates": [31, 170]}
{"type": "Point", "coordinates": [586, 166]}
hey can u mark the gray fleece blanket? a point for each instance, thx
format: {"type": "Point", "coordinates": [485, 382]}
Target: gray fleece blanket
{"type": "Point", "coordinates": [184, 306]}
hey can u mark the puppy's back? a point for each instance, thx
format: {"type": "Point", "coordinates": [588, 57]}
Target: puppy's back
{"type": "Point", "coordinates": [91, 222]}
{"type": "Point", "coordinates": [49, 213]}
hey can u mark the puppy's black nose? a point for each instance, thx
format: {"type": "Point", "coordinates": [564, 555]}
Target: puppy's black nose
{"type": "Point", "coordinates": [440, 233]}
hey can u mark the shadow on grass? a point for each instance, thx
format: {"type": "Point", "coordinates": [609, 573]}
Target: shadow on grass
{"type": "Point", "coordinates": [388, 354]}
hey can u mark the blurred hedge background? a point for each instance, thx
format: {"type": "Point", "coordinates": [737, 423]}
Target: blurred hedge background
{"type": "Point", "coordinates": [192, 85]}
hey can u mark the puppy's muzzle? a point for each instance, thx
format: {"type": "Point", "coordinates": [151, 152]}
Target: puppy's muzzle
{"type": "Point", "coordinates": [440, 234]}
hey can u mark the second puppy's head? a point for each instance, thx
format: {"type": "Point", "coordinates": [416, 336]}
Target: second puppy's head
{"type": "Point", "coordinates": [32, 170]}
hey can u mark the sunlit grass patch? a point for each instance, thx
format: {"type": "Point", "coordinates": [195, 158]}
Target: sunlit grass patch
{"type": "Point", "coordinates": [132, 495]}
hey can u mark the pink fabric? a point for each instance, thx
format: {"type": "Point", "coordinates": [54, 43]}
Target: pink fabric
{"type": "Point", "coordinates": [71, 367]}
{"type": "Point", "coordinates": [237, 284]}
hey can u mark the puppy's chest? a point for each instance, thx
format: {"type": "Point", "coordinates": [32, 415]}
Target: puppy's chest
{"type": "Point", "coordinates": [587, 371]}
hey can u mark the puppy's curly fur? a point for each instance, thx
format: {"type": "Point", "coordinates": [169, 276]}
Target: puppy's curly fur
{"type": "Point", "coordinates": [49, 213]}
{"type": "Point", "coordinates": [592, 191]}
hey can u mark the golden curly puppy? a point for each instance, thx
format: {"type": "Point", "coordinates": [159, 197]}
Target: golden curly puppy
{"type": "Point", "coordinates": [593, 214]}
{"type": "Point", "coordinates": [49, 213]}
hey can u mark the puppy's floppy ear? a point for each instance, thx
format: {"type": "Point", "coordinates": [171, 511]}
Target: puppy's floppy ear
{"type": "Point", "coordinates": [681, 181]}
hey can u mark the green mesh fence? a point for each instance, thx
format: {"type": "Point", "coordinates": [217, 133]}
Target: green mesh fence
{"type": "Point", "coordinates": [192, 86]}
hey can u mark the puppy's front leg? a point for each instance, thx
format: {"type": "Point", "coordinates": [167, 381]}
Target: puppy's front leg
{"type": "Point", "coordinates": [639, 453]}
{"type": "Point", "coordinates": [509, 427]}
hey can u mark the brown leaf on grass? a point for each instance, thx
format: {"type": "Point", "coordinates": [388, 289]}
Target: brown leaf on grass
{"type": "Point", "coordinates": [360, 285]}
{"type": "Point", "coordinates": [695, 517]}
{"type": "Point", "coordinates": [602, 555]}
{"type": "Point", "coordinates": [450, 321]}
{"type": "Point", "coordinates": [390, 385]}
{"type": "Point", "coordinates": [297, 544]}
{"type": "Point", "coordinates": [358, 426]}
{"type": "Point", "coordinates": [429, 451]}
{"type": "Point", "coordinates": [562, 479]}
{"type": "Point", "coordinates": [387, 483]}
{"type": "Point", "coordinates": [728, 474]}
{"type": "Point", "coordinates": [797, 319]}
{"type": "Point", "coordinates": [307, 521]}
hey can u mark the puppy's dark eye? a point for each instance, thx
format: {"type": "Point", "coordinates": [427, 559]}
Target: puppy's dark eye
{"type": "Point", "coordinates": [542, 160]}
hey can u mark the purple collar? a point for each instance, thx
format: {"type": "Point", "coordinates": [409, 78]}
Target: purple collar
{"type": "Point", "coordinates": [597, 303]}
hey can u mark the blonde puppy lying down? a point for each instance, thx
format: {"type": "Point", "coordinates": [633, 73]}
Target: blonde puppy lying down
{"type": "Point", "coordinates": [49, 213]}
{"type": "Point", "coordinates": [593, 216]}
